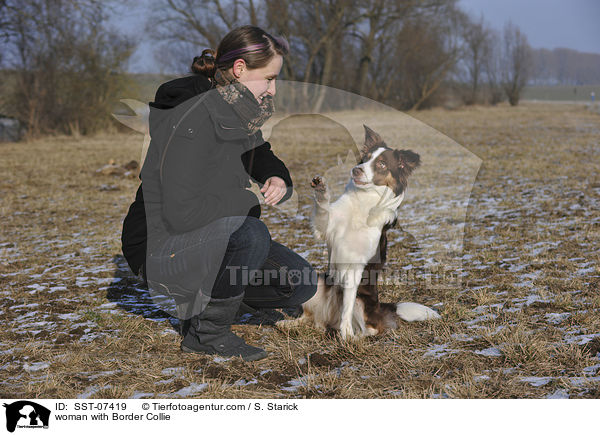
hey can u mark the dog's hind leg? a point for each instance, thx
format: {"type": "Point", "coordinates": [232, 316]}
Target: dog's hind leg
{"type": "Point", "coordinates": [287, 324]}
{"type": "Point", "coordinates": [358, 319]}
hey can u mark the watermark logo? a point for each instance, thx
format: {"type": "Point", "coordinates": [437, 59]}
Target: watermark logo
{"type": "Point", "coordinates": [25, 414]}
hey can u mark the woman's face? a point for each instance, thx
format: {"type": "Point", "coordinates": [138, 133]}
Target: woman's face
{"type": "Point", "coordinates": [260, 81]}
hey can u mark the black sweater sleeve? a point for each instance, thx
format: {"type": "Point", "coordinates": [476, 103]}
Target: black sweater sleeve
{"type": "Point", "coordinates": [261, 164]}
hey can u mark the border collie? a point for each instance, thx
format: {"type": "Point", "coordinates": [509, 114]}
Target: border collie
{"type": "Point", "coordinates": [354, 228]}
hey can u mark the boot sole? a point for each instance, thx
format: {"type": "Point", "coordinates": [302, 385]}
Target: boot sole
{"type": "Point", "coordinates": [254, 357]}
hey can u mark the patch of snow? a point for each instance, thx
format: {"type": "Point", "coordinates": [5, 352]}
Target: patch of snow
{"type": "Point", "coordinates": [556, 318]}
{"type": "Point", "coordinates": [89, 392]}
{"type": "Point", "coordinates": [581, 339]}
{"type": "Point", "coordinates": [536, 381]}
{"type": "Point", "coordinates": [462, 337]}
{"type": "Point", "coordinates": [473, 322]}
{"type": "Point", "coordinates": [104, 373]}
{"type": "Point", "coordinates": [558, 394]}
{"type": "Point", "coordinates": [36, 288]}
{"type": "Point", "coordinates": [242, 382]}
{"type": "Point", "coordinates": [439, 350]}
{"type": "Point", "coordinates": [139, 395]}
{"type": "Point", "coordinates": [172, 370]}
{"type": "Point", "coordinates": [69, 316]}
{"type": "Point", "coordinates": [579, 381]}
{"type": "Point", "coordinates": [490, 351]}
{"type": "Point", "coordinates": [591, 370]}
{"type": "Point", "coordinates": [189, 390]}
{"type": "Point", "coordinates": [297, 383]}
{"type": "Point", "coordinates": [34, 367]}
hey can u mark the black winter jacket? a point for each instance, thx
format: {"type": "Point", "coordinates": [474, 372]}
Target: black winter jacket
{"type": "Point", "coordinates": [205, 171]}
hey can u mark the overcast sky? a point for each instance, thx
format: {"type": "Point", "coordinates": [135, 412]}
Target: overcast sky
{"type": "Point", "coordinates": [547, 23]}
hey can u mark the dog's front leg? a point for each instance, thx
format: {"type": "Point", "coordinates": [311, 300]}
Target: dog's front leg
{"type": "Point", "coordinates": [350, 281]}
{"type": "Point", "coordinates": [320, 218]}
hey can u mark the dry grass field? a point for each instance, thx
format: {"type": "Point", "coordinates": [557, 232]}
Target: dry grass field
{"type": "Point", "coordinates": [514, 210]}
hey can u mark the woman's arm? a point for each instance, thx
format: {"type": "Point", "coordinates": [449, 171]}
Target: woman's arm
{"type": "Point", "coordinates": [261, 164]}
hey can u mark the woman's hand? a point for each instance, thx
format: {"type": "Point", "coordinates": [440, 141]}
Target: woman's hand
{"type": "Point", "coordinates": [273, 190]}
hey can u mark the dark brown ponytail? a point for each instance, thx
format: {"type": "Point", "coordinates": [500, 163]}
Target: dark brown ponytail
{"type": "Point", "coordinates": [250, 43]}
{"type": "Point", "coordinates": [205, 63]}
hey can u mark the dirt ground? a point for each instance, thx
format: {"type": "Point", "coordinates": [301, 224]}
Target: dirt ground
{"type": "Point", "coordinates": [508, 200]}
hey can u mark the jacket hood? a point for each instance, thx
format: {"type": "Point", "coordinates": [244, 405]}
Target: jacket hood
{"type": "Point", "coordinates": [172, 94]}
{"type": "Point", "coordinates": [175, 92]}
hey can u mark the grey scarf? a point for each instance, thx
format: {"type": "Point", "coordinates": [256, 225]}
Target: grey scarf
{"type": "Point", "coordinates": [243, 102]}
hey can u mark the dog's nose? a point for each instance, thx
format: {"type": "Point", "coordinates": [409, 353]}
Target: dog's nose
{"type": "Point", "coordinates": [356, 171]}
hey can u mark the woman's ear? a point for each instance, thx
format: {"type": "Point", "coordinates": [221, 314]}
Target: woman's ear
{"type": "Point", "coordinates": [239, 66]}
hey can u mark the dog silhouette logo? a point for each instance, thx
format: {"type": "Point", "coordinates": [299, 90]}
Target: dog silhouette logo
{"type": "Point", "coordinates": [26, 414]}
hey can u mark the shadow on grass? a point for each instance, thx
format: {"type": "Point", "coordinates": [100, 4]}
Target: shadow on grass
{"type": "Point", "coordinates": [131, 294]}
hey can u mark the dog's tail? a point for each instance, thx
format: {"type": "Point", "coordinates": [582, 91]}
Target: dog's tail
{"type": "Point", "coordinates": [408, 311]}
{"type": "Point", "coordinates": [412, 312]}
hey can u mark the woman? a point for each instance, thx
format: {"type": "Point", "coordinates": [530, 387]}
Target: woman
{"type": "Point", "coordinates": [206, 246]}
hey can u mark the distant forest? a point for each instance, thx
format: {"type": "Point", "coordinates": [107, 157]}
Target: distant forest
{"type": "Point", "coordinates": [563, 66]}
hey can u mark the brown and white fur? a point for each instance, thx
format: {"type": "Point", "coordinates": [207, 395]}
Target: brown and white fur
{"type": "Point", "coordinates": [354, 227]}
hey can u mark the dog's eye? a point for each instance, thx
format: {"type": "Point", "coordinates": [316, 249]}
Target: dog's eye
{"type": "Point", "coordinates": [380, 164]}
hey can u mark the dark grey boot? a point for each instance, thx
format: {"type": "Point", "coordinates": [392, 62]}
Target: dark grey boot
{"type": "Point", "coordinates": [210, 333]}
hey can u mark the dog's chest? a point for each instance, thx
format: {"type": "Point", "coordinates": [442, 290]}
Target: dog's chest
{"type": "Point", "coordinates": [349, 238]}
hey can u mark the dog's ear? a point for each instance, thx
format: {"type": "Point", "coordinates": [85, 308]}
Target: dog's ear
{"type": "Point", "coordinates": [407, 160]}
{"type": "Point", "coordinates": [372, 140]}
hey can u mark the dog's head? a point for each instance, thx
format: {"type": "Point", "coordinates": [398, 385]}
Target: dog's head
{"type": "Point", "coordinates": [382, 166]}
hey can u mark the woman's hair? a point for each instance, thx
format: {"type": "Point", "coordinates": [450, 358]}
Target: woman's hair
{"type": "Point", "coordinates": [250, 43]}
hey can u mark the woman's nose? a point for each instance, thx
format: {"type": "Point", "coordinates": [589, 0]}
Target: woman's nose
{"type": "Point", "coordinates": [271, 90]}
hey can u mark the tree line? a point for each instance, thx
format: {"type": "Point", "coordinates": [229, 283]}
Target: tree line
{"type": "Point", "coordinates": [563, 66]}
{"type": "Point", "coordinates": [404, 53]}
{"type": "Point", "coordinates": [67, 67]}
{"type": "Point", "coordinates": [63, 68]}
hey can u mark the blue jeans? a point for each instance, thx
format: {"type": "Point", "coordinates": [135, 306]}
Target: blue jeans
{"type": "Point", "coordinates": [231, 256]}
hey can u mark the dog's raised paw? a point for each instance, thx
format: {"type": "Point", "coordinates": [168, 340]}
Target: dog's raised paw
{"type": "Point", "coordinates": [320, 189]}
{"type": "Point", "coordinates": [317, 183]}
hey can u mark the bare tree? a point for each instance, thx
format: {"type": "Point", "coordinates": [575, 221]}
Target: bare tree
{"type": "Point", "coordinates": [377, 19]}
{"type": "Point", "coordinates": [66, 66]}
{"type": "Point", "coordinates": [426, 52]}
{"type": "Point", "coordinates": [516, 62]}
{"type": "Point", "coordinates": [476, 36]}
{"type": "Point", "coordinates": [492, 68]}
{"type": "Point", "coordinates": [183, 28]}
